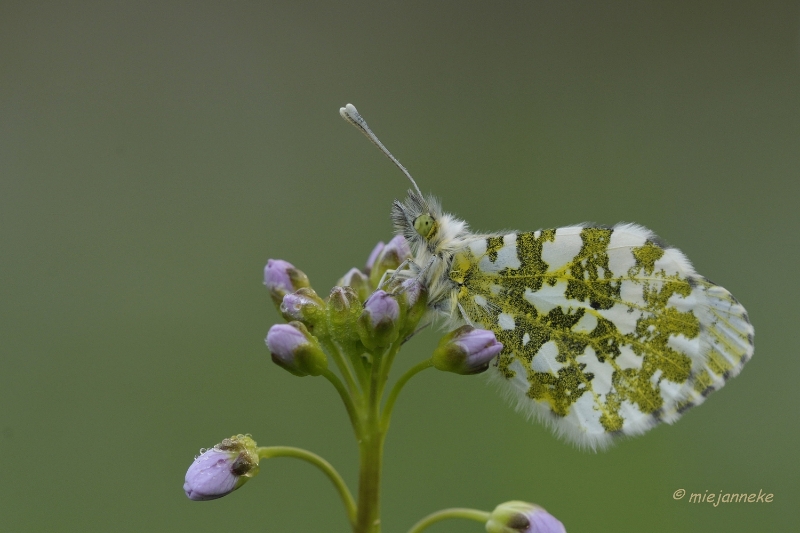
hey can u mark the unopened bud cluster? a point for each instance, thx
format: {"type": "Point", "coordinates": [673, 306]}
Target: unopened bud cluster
{"type": "Point", "coordinates": [367, 312]}
{"type": "Point", "coordinates": [355, 316]}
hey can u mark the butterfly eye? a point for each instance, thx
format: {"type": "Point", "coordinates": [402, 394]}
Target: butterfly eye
{"type": "Point", "coordinates": [424, 225]}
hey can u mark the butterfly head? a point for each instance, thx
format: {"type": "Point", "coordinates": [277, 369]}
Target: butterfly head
{"type": "Point", "coordinates": [425, 225]}
{"type": "Point", "coordinates": [421, 221]}
{"type": "Point", "coordinates": [416, 219]}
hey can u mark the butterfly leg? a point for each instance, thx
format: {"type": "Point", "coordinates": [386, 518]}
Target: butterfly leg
{"type": "Point", "coordinates": [420, 328]}
{"type": "Point", "coordinates": [422, 272]}
{"type": "Point", "coordinates": [465, 316]}
{"type": "Point", "coordinates": [390, 276]}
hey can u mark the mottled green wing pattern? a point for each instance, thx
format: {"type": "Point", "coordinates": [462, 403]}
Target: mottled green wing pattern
{"type": "Point", "coordinates": [606, 331]}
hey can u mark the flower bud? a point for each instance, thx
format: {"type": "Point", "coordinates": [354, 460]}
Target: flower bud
{"type": "Point", "coordinates": [344, 308]}
{"type": "Point", "coordinates": [282, 278]}
{"type": "Point", "coordinates": [414, 297]}
{"type": "Point", "coordinates": [358, 281]}
{"type": "Point", "coordinates": [522, 517]}
{"type": "Point", "coordinates": [466, 350]}
{"type": "Point", "coordinates": [296, 350]}
{"type": "Point", "coordinates": [389, 258]}
{"type": "Point", "coordinates": [304, 306]}
{"type": "Point", "coordinates": [373, 256]}
{"type": "Point", "coordinates": [378, 325]}
{"type": "Point", "coordinates": [222, 469]}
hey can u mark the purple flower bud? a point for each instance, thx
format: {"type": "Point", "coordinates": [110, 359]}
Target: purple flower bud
{"type": "Point", "coordinates": [222, 469]}
{"type": "Point", "coordinates": [522, 517]}
{"type": "Point", "coordinates": [398, 245]}
{"type": "Point", "coordinates": [358, 281]}
{"type": "Point", "coordinates": [381, 307]}
{"type": "Point", "coordinates": [466, 351]}
{"type": "Point", "coordinates": [296, 350]}
{"type": "Point", "coordinates": [283, 340]}
{"type": "Point", "coordinates": [390, 258]}
{"type": "Point", "coordinates": [304, 306]}
{"type": "Point", "coordinates": [276, 275]}
{"type": "Point", "coordinates": [282, 278]}
{"type": "Point", "coordinates": [411, 291]}
{"type": "Point", "coordinates": [414, 296]}
{"type": "Point", "coordinates": [378, 324]}
{"type": "Point", "coordinates": [373, 256]}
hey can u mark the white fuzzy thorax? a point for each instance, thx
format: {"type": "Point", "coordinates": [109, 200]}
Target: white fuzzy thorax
{"type": "Point", "coordinates": [433, 255]}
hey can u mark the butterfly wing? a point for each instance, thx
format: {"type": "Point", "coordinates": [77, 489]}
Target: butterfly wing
{"type": "Point", "coordinates": [606, 331]}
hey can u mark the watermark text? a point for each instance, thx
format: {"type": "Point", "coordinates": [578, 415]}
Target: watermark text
{"type": "Point", "coordinates": [716, 498]}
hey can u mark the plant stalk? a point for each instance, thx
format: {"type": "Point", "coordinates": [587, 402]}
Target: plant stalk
{"type": "Point", "coordinates": [368, 507]}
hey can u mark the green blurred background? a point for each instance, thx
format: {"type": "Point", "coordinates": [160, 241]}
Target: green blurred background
{"type": "Point", "coordinates": [154, 155]}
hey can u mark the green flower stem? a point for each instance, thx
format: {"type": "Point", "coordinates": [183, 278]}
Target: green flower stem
{"type": "Point", "coordinates": [444, 514]}
{"type": "Point", "coordinates": [386, 365]}
{"type": "Point", "coordinates": [361, 366]}
{"type": "Point", "coordinates": [371, 455]}
{"type": "Point", "coordinates": [363, 401]}
{"type": "Point", "coordinates": [344, 368]}
{"type": "Point", "coordinates": [413, 371]}
{"type": "Point", "coordinates": [299, 453]}
{"type": "Point", "coordinates": [371, 461]}
{"type": "Point", "coordinates": [347, 399]}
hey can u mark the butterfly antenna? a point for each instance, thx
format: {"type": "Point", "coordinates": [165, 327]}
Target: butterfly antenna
{"type": "Point", "coordinates": [351, 115]}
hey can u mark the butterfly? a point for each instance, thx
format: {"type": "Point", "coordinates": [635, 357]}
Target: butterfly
{"type": "Point", "coordinates": [606, 331]}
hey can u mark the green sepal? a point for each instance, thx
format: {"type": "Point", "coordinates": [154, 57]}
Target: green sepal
{"type": "Point", "coordinates": [309, 358]}
{"type": "Point", "coordinates": [311, 312]}
{"type": "Point", "coordinates": [343, 310]}
{"type": "Point", "coordinates": [246, 463]}
{"type": "Point", "coordinates": [378, 337]}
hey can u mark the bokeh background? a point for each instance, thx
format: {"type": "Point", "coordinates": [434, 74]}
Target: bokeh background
{"type": "Point", "coordinates": [154, 155]}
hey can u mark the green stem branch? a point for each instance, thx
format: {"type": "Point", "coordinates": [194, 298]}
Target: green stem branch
{"type": "Point", "coordinates": [385, 366]}
{"type": "Point", "coordinates": [361, 366]}
{"type": "Point", "coordinates": [299, 453]}
{"type": "Point", "coordinates": [352, 411]}
{"type": "Point", "coordinates": [413, 371]}
{"type": "Point", "coordinates": [344, 368]}
{"type": "Point", "coordinates": [444, 514]}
